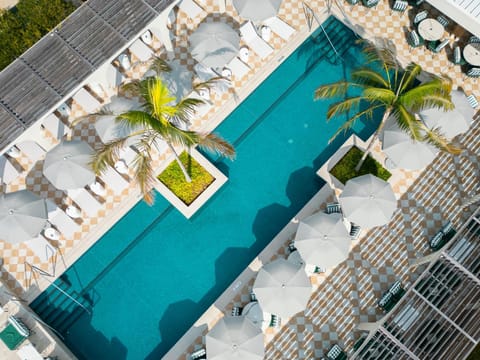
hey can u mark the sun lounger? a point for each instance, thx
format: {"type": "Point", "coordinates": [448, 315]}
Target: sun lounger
{"type": "Point", "coordinates": [280, 27]}
{"type": "Point", "coordinates": [238, 67]}
{"type": "Point", "coordinates": [124, 61]}
{"type": "Point", "coordinates": [201, 109]}
{"type": "Point", "coordinates": [141, 51]}
{"type": "Point", "coordinates": [56, 127]}
{"type": "Point", "coordinates": [14, 333]}
{"type": "Point", "coordinates": [87, 202]}
{"type": "Point", "coordinates": [32, 150]}
{"type": "Point", "coordinates": [62, 221]}
{"type": "Point", "coordinates": [199, 354]}
{"type": "Point", "coordinates": [41, 248]}
{"type": "Point", "coordinates": [191, 8]}
{"type": "Point", "coordinates": [236, 311]}
{"type": "Point", "coordinates": [87, 101]}
{"type": "Point", "coordinates": [105, 80]}
{"type": "Point", "coordinates": [333, 208]}
{"type": "Point", "coordinates": [114, 180]}
{"type": "Point", "coordinates": [8, 172]}
{"type": "Point", "coordinates": [254, 41]}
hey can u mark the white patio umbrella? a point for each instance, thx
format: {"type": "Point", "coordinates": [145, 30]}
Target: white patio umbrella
{"type": "Point", "coordinates": [323, 239]}
{"type": "Point", "coordinates": [454, 122]}
{"type": "Point", "coordinates": [403, 151]}
{"type": "Point", "coordinates": [67, 167]}
{"type": "Point", "coordinates": [257, 10]}
{"type": "Point", "coordinates": [214, 44]}
{"type": "Point", "coordinates": [107, 127]}
{"type": "Point", "coordinates": [23, 216]}
{"type": "Point", "coordinates": [282, 288]}
{"type": "Point", "coordinates": [235, 337]}
{"type": "Point", "coordinates": [368, 201]}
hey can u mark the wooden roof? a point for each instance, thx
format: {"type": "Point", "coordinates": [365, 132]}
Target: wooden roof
{"type": "Point", "coordinates": [45, 74]}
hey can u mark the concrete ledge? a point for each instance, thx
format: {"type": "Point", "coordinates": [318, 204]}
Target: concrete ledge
{"type": "Point", "coordinates": [189, 210]}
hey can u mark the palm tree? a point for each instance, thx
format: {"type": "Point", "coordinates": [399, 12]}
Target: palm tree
{"type": "Point", "coordinates": [389, 88]}
{"type": "Point", "coordinates": [159, 119]}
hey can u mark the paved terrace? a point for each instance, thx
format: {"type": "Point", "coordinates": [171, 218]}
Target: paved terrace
{"type": "Point", "coordinates": [377, 260]}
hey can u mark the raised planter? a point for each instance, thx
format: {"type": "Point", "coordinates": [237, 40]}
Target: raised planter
{"type": "Point", "coordinates": [193, 207]}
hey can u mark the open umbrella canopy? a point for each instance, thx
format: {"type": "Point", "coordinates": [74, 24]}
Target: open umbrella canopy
{"type": "Point", "coordinates": [108, 128]}
{"type": "Point", "coordinates": [282, 288]}
{"type": "Point", "coordinates": [257, 10]}
{"type": "Point", "coordinates": [323, 239]}
{"type": "Point", "coordinates": [67, 165]}
{"type": "Point", "coordinates": [23, 216]}
{"type": "Point", "coordinates": [214, 44]}
{"type": "Point", "coordinates": [178, 79]}
{"type": "Point", "coordinates": [454, 122]}
{"type": "Point", "coordinates": [368, 201]}
{"type": "Point", "coordinates": [235, 337]}
{"type": "Point", "coordinates": [403, 151]}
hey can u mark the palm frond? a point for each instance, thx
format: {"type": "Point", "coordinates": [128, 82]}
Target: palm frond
{"type": "Point", "coordinates": [332, 90]}
{"type": "Point", "coordinates": [437, 139]}
{"type": "Point", "coordinates": [385, 96]}
{"type": "Point", "coordinates": [416, 101]}
{"type": "Point", "coordinates": [369, 77]}
{"type": "Point", "coordinates": [186, 110]}
{"type": "Point", "coordinates": [343, 106]}
{"type": "Point", "coordinates": [159, 65]}
{"type": "Point", "coordinates": [134, 119]}
{"type": "Point", "coordinates": [133, 87]}
{"type": "Point", "coordinates": [409, 76]}
{"type": "Point", "coordinates": [216, 144]}
{"type": "Point", "coordinates": [207, 85]}
{"type": "Point", "coordinates": [106, 155]}
{"type": "Point", "coordinates": [407, 122]}
{"type": "Point", "coordinates": [381, 53]}
{"type": "Point", "coordinates": [144, 175]}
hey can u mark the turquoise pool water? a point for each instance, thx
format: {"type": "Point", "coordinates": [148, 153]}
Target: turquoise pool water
{"type": "Point", "coordinates": [154, 273]}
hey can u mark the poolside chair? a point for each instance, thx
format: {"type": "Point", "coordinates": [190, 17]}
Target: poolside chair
{"type": "Point", "coordinates": [291, 247]}
{"type": "Point", "coordinates": [474, 40]}
{"type": "Point", "coordinates": [336, 353]}
{"type": "Point", "coordinates": [254, 41]}
{"type": "Point", "coordinates": [124, 61]}
{"type": "Point", "coordinates": [114, 180]}
{"type": "Point", "coordinates": [437, 46]}
{"type": "Point", "coordinates": [141, 51]}
{"type": "Point", "coordinates": [352, 2]}
{"type": "Point", "coordinates": [64, 110]}
{"type": "Point", "coordinates": [437, 241]}
{"type": "Point", "coordinates": [473, 72]}
{"type": "Point", "coordinates": [199, 354]}
{"type": "Point", "coordinates": [236, 311]}
{"type": "Point", "coordinates": [41, 248]}
{"type": "Point", "coordinates": [370, 3]}
{"type": "Point", "coordinates": [62, 222]}
{"type": "Point", "coordinates": [87, 101]}
{"type": "Point", "coordinates": [333, 208]}
{"type": "Point", "coordinates": [448, 231]}
{"type": "Point", "coordinates": [32, 150]}
{"type": "Point", "coordinates": [354, 231]}
{"type": "Point", "coordinates": [400, 6]}
{"type": "Point", "coordinates": [414, 40]}
{"type": "Point", "coordinates": [443, 20]}
{"type": "Point", "coordinates": [280, 27]}
{"type": "Point", "coordinates": [238, 68]}
{"type": "Point", "coordinates": [15, 333]}
{"type": "Point", "coordinates": [86, 201]}
{"type": "Point", "coordinates": [275, 321]}
{"type": "Point", "coordinates": [253, 297]}
{"type": "Point", "coordinates": [422, 15]}
{"type": "Point", "coordinates": [8, 172]}
{"type": "Point", "coordinates": [191, 8]}
{"type": "Point", "coordinates": [457, 58]}
{"type": "Point", "coordinates": [472, 100]}
{"type": "Point", "coordinates": [56, 127]}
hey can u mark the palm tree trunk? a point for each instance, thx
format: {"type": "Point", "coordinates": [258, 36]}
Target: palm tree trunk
{"type": "Point", "coordinates": [374, 138]}
{"type": "Point", "coordinates": [185, 173]}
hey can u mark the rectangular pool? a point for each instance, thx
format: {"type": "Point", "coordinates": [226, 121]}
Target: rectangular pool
{"type": "Point", "coordinates": [154, 273]}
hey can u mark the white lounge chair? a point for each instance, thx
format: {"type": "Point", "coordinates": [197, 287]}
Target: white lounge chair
{"type": "Point", "coordinates": [280, 27]}
{"type": "Point", "coordinates": [32, 150]}
{"type": "Point", "coordinates": [87, 101]}
{"type": "Point", "coordinates": [191, 8]}
{"type": "Point", "coordinates": [141, 51]}
{"type": "Point", "coordinates": [254, 41]}
{"type": "Point", "coordinates": [56, 127]}
{"type": "Point", "coordinates": [114, 180]}
{"type": "Point", "coordinates": [124, 61]}
{"type": "Point", "coordinates": [201, 109]}
{"type": "Point", "coordinates": [8, 172]}
{"type": "Point", "coordinates": [87, 202]}
{"type": "Point", "coordinates": [238, 67]}
{"type": "Point", "coordinates": [41, 248]}
{"type": "Point", "coordinates": [62, 221]}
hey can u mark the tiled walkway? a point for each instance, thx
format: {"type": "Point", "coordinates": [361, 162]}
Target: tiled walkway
{"type": "Point", "coordinates": [347, 295]}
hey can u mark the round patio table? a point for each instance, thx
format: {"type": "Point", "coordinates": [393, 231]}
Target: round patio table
{"type": "Point", "coordinates": [73, 212]}
{"type": "Point", "coordinates": [430, 29]}
{"type": "Point", "coordinates": [471, 53]}
{"type": "Point", "coordinates": [51, 233]}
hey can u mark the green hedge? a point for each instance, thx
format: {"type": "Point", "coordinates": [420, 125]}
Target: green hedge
{"type": "Point", "coordinates": [344, 170]}
{"type": "Point", "coordinates": [23, 25]}
{"type": "Point", "coordinates": [173, 178]}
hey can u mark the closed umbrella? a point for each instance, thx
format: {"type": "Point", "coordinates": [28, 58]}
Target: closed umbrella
{"type": "Point", "coordinates": [403, 151]}
{"type": "Point", "coordinates": [23, 216]}
{"type": "Point", "coordinates": [257, 10]}
{"type": "Point", "coordinates": [106, 125]}
{"type": "Point", "coordinates": [282, 288]}
{"type": "Point", "coordinates": [235, 338]}
{"type": "Point", "coordinates": [67, 165]}
{"type": "Point", "coordinates": [368, 201]}
{"type": "Point", "coordinates": [214, 44]}
{"type": "Point", "coordinates": [323, 239]}
{"type": "Point", "coordinates": [454, 122]}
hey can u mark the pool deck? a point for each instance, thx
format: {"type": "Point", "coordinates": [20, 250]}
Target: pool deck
{"type": "Point", "coordinates": [342, 297]}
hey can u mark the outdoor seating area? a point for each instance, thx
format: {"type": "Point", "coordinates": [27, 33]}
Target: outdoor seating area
{"type": "Point", "coordinates": [442, 237]}
{"type": "Point", "coordinates": [392, 296]}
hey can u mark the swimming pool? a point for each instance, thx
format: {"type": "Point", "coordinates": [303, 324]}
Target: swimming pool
{"type": "Point", "coordinates": [154, 273]}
